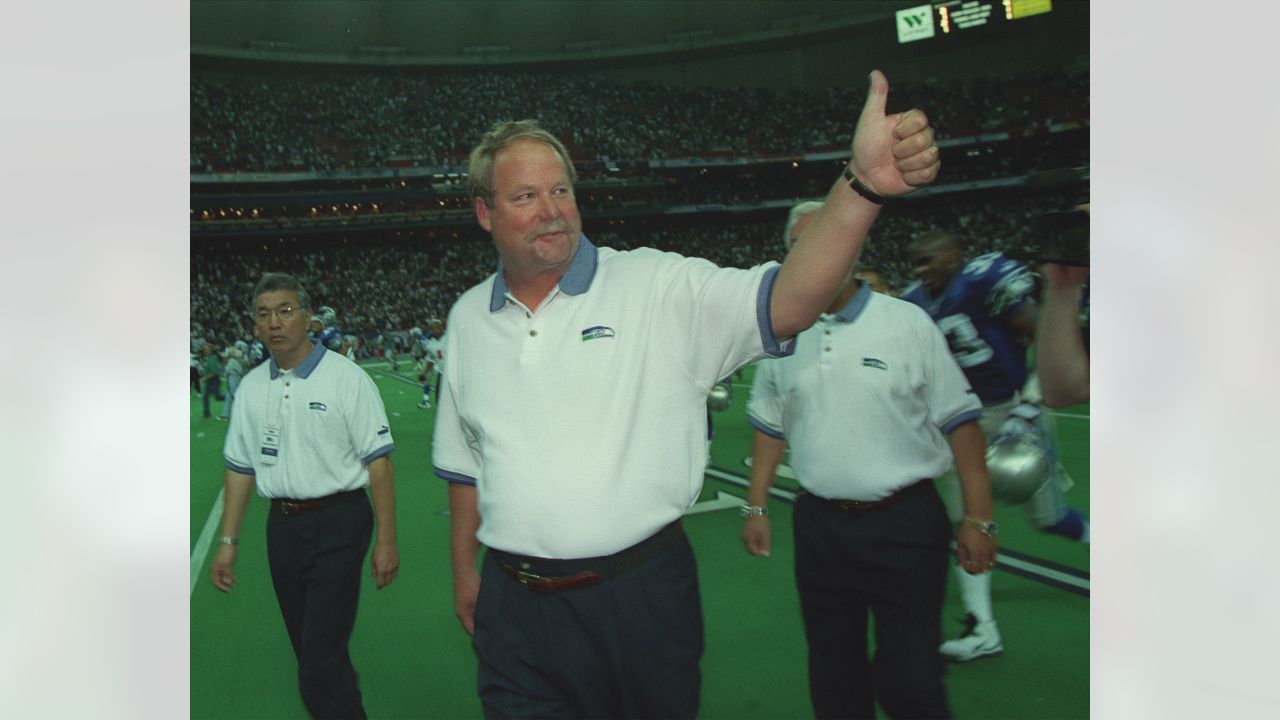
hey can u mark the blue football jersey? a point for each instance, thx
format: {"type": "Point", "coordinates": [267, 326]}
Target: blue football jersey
{"type": "Point", "coordinates": [974, 313]}
{"type": "Point", "coordinates": [331, 337]}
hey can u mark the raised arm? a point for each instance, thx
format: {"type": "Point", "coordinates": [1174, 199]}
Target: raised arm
{"type": "Point", "coordinates": [891, 154]}
{"type": "Point", "coordinates": [1061, 359]}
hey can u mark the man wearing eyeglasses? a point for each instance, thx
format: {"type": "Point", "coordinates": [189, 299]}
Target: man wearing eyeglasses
{"type": "Point", "coordinates": [309, 429]}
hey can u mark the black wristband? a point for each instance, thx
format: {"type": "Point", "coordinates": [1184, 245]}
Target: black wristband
{"type": "Point", "coordinates": [861, 189]}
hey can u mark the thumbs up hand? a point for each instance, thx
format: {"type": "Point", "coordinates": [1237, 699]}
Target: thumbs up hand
{"type": "Point", "coordinates": [892, 154]}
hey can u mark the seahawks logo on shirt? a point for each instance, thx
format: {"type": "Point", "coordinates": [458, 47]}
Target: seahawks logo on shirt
{"type": "Point", "coordinates": [596, 332]}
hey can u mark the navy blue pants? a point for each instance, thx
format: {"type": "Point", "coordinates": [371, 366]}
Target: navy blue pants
{"type": "Point", "coordinates": [316, 559]}
{"type": "Point", "coordinates": [628, 647]}
{"type": "Point", "coordinates": [212, 386]}
{"type": "Point", "coordinates": [889, 563]}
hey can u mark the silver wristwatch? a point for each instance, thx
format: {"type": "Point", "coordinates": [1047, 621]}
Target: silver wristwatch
{"type": "Point", "coordinates": [750, 511]}
{"type": "Point", "coordinates": [986, 527]}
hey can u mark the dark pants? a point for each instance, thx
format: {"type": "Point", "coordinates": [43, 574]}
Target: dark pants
{"type": "Point", "coordinates": [628, 647]}
{"type": "Point", "coordinates": [890, 562]}
{"type": "Point", "coordinates": [211, 388]}
{"type": "Point", "coordinates": [316, 558]}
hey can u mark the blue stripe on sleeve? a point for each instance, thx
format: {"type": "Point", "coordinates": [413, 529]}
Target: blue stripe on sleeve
{"type": "Point", "coordinates": [757, 424]}
{"type": "Point", "coordinates": [384, 450]}
{"type": "Point", "coordinates": [236, 468]}
{"type": "Point", "coordinates": [764, 316]}
{"type": "Point", "coordinates": [968, 416]}
{"type": "Point", "coordinates": [456, 478]}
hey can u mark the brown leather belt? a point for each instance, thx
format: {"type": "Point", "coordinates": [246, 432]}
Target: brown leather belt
{"type": "Point", "coordinates": [290, 506]}
{"type": "Point", "coordinates": [546, 575]}
{"type": "Point", "coordinates": [858, 505]}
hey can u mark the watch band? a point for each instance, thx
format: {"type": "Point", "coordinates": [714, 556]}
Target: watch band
{"type": "Point", "coordinates": [862, 189]}
{"type": "Point", "coordinates": [750, 511]}
{"type": "Point", "coordinates": [986, 527]}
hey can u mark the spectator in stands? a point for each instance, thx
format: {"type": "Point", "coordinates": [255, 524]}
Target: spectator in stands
{"type": "Point", "coordinates": [210, 376]}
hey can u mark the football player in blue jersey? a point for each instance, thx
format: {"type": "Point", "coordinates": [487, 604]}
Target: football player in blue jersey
{"type": "Point", "coordinates": [986, 309]}
{"type": "Point", "coordinates": [324, 330]}
{"type": "Point", "coordinates": [257, 353]}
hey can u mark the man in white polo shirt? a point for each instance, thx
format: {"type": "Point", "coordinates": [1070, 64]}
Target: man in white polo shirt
{"type": "Point", "coordinates": [869, 403]}
{"type": "Point", "coordinates": [572, 420]}
{"type": "Point", "coordinates": [309, 429]}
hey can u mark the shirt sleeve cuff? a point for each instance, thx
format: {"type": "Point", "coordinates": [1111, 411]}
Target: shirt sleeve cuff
{"type": "Point", "coordinates": [238, 468]}
{"type": "Point", "coordinates": [456, 478]}
{"type": "Point", "coordinates": [767, 430]}
{"type": "Point", "coordinates": [384, 450]}
{"type": "Point", "coordinates": [764, 316]}
{"type": "Point", "coordinates": [968, 416]}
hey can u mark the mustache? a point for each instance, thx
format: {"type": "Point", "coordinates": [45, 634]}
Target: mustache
{"type": "Point", "coordinates": [559, 226]}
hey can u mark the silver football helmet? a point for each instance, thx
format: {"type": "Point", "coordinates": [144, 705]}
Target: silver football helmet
{"type": "Point", "coordinates": [1018, 466]}
{"type": "Point", "coordinates": [720, 398]}
{"type": "Point", "coordinates": [326, 315]}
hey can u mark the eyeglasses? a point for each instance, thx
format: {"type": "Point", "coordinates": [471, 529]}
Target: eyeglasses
{"type": "Point", "coordinates": [284, 312]}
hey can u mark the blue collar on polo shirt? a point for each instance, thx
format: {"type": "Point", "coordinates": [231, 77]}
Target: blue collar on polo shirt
{"type": "Point", "coordinates": [575, 281]}
{"type": "Point", "coordinates": [308, 364]}
{"type": "Point", "coordinates": [856, 304]}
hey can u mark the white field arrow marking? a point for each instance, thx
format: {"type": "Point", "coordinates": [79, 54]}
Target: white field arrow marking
{"type": "Point", "coordinates": [784, 470]}
{"type": "Point", "coordinates": [723, 501]}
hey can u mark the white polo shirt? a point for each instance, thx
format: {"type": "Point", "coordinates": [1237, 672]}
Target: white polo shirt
{"type": "Point", "coordinates": [583, 423]}
{"type": "Point", "coordinates": [331, 424]}
{"type": "Point", "coordinates": [865, 400]}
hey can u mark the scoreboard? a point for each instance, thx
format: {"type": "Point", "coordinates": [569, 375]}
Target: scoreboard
{"type": "Point", "coordinates": [943, 18]}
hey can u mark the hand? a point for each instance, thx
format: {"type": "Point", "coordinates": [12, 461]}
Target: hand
{"type": "Point", "coordinates": [386, 563]}
{"type": "Point", "coordinates": [466, 588]}
{"type": "Point", "coordinates": [892, 154]}
{"type": "Point", "coordinates": [224, 576]}
{"type": "Point", "coordinates": [757, 534]}
{"type": "Point", "coordinates": [1065, 276]}
{"type": "Point", "coordinates": [975, 551]}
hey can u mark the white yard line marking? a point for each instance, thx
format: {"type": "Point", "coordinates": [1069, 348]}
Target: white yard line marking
{"type": "Point", "coordinates": [742, 483]}
{"type": "Point", "coordinates": [401, 378]}
{"type": "Point", "coordinates": [1044, 572]}
{"type": "Point", "coordinates": [201, 549]}
{"type": "Point", "coordinates": [1033, 568]}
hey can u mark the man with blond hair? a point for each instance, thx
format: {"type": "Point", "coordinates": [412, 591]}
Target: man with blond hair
{"type": "Point", "coordinates": [572, 420]}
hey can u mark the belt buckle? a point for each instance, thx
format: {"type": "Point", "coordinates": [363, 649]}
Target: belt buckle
{"type": "Point", "coordinates": [524, 577]}
{"type": "Point", "coordinates": [291, 508]}
{"type": "Point", "coordinates": [544, 584]}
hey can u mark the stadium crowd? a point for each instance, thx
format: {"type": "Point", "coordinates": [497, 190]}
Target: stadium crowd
{"type": "Point", "coordinates": [363, 119]}
{"type": "Point", "coordinates": [391, 282]}
{"type": "Point", "coordinates": [384, 280]}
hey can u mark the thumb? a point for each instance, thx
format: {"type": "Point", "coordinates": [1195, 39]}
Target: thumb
{"type": "Point", "coordinates": [877, 95]}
